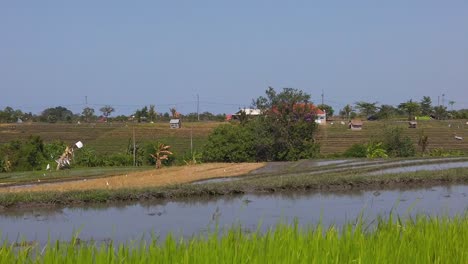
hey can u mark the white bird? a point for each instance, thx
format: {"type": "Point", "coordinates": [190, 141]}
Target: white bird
{"type": "Point", "coordinates": [107, 183]}
{"type": "Point", "coordinates": [458, 138]}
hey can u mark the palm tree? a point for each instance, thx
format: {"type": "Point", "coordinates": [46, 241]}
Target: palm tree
{"type": "Point", "coordinates": [451, 103]}
{"type": "Point", "coordinates": [162, 153]}
{"type": "Point", "coordinates": [174, 112]}
{"type": "Point", "coordinates": [347, 110]}
{"type": "Point", "coordinates": [107, 110]}
{"type": "Point", "coordinates": [411, 108]}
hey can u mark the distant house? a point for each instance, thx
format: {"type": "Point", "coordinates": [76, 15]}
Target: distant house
{"type": "Point", "coordinates": [175, 123]}
{"type": "Point", "coordinates": [355, 125]}
{"type": "Point", "coordinates": [247, 111]}
{"type": "Point", "coordinates": [320, 116]}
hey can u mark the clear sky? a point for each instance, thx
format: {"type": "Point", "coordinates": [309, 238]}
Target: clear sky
{"type": "Point", "coordinates": [133, 53]}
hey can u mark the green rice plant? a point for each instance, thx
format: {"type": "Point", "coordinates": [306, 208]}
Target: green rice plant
{"type": "Point", "coordinates": [418, 240]}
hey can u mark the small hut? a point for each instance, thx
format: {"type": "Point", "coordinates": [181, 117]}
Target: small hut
{"type": "Point", "coordinates": [175, 123]}
{"type": "Point", "coordinates": [412, 124]}
{"type": "Point", "coordinates": [355, 125]}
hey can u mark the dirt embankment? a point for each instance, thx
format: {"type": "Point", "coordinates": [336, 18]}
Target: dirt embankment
{"type": "Point", "coordinates": [151, 178]}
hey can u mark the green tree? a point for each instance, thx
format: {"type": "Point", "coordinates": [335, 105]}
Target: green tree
{"type": "Point", "coordinates": [386, 112]}
{"type": "Point", "coordinates": [396, 144]}
{"type": "Point", "coordinates": [88, 114]}
{"type": "Point", "coordinates": [426, 106]}
{"type": "Point", "coordinates": [451, 103]}
{"type": "Point", "coordinates": [346, 111]}
{"type": "Point", "coordinates": [10, 115]}
{"type": "Point", "coordinates": [366, 109]}
{"type": "Point", "coordinates": [107, 111]}
{"type": "Point", "coordinates": [440, 112]}
{"type": "Point", "coordinates": [56, 114]}
{"type": "Point", "coordinates": [152, 113]}
{"type": "Point", "coordinates": [289, 118]}
{"type": "Point", "coordinates": [411, 108]}
{"type": "Point", "coordinates": [328, 109]}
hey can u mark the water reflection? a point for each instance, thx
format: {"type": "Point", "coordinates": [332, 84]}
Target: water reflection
{"type": "Point", "coordinates": [425, 167]}
{"type": "Point", "coordinates": [185, 217]}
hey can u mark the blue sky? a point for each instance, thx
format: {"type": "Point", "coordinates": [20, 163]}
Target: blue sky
{"type": "Point", "coordinates": [134, 53]}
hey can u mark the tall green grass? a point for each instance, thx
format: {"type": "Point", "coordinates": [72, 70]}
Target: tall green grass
{"type": "Point", "coordinates": [419, 240]}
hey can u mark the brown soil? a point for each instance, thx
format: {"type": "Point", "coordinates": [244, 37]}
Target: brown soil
{"type": "Point", "coordinates": [151, 178]}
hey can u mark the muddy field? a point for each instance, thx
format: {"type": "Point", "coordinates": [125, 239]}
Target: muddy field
{"type": "Point", "coordinates": [150, 178]}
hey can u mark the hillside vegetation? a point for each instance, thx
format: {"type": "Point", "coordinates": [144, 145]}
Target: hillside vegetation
{"type": "Point", "coordinates": [333, 139]}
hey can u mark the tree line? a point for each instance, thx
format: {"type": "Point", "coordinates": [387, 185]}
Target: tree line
{"type": "Point", "coordinates": [409, 109]}
{"type": "Point", "coordinates": [89, 114]}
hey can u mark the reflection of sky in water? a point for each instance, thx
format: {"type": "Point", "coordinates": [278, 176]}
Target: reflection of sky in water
{"type": "Point", "coordinates": [343, 165]}
{"type": "Point", "coordinates": [438, 166]}
{"type": "Point", "coordinates": [193, 216]}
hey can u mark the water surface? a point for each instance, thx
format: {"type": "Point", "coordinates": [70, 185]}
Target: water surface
{"type": "Point", "coordinates": [124, 222]}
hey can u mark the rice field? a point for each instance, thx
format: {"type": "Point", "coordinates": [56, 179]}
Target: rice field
{"type": "Point", "coordinates": [334, 139]}
{"type": "Point", "coordinates": [419, 240]}
{"type": "Point", "coordinates": [337, 138]}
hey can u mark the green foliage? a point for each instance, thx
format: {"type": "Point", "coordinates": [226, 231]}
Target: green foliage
{"type": "Point", "coordinates": [396, 144]}
{"type": "Point", "coordinates": [284, 132]}
{"type": "Point", "coordinates": [192, 158]}
{"type": "Point", "coordinates": [87, 157]}
{"type": "Point", "coordinates": [356, 151]}
{"type": "Point", "coordinates": [423, 142]}
{"type": "Point", "coordinates": [440, 152]}
{"type": "Point", "coordinates": [420, 239]}
{"type": "Point", "coordinates": [118, 159]}
{"type": "Point", "coordinates": [375, 150]}
{"type": "Point", "coordinates": [88, 114]}
{"type": "Point", "coordinates": [411, 108]}
{"type": "Point", "coordinates": [10, 115]}
{"type": "Point", "coordinates": [56, 114]}
{"type": "Point", "coordinates": [440, 112]}
{"type": "Point", "coordinates": [366, 109]}
{"type": "Point", "coordinates": [230, 143]}
{"type": "Point", "coordinates": [53, 150]}
{"type": "Point", "coordinates": [23, 155]}
{"type": "Point", "coordinates": [327, 108]}
{"type": "Point", "coordinates": [346, 112]}
{"type": "Point", "coordinates": [426, 106]}
{"type": "Point", "coordinates": [386, 112]}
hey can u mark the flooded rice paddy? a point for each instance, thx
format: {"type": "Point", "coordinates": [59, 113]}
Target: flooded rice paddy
{"type": "Point", "coordinates": [124, 222]}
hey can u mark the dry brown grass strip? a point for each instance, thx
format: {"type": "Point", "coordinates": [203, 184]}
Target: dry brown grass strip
{"type": "Point", "coordinates": [150, 178]}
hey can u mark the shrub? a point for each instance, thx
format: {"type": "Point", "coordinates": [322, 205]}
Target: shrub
{"type": "Point", "coordinates": [87, 157]}
{"type": "Point", "coordinates": [356, 151]}
{"type": "Point", "coordinates": [230, 143]}
{"type": "Point", "coordinates": [118, 159]}
{"type": "Point", "coordinates": [23, 155]}
{"type": "Point", "coordinates": [398, 145]}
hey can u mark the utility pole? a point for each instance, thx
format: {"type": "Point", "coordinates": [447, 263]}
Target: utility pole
{"type": "Point", "coordinates": [134, 147]}
{"type": "Point", "coordinates": [322, 96]}
{"type": "Point", "coordinates": [443, 100]}
{"type": "Point", "coordinates": [198, 107]}
{"type": "Point", "coordinates": [191, 140]}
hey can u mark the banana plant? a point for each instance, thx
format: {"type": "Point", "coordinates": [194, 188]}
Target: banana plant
{"type": "Point", "coordinates": [162, 153]}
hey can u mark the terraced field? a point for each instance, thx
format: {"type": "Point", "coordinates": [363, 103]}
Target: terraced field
{"type": "Point", "coordinates": [112, 137]}
{"type": "Point", "coordinates": [336, 138]}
